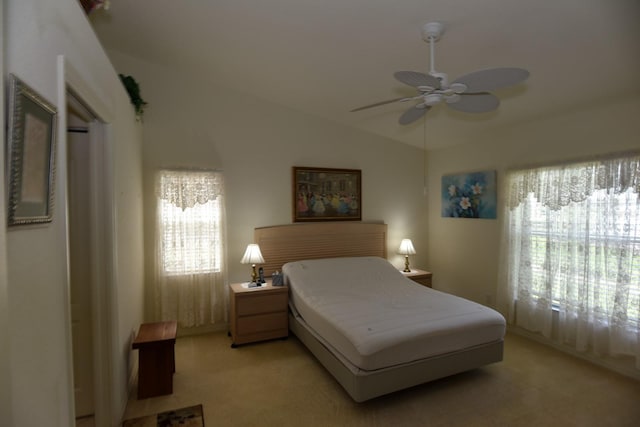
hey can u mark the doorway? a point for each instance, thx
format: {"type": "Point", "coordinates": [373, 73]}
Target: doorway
{"type": "Point", "coordinates": [89, 261]}
{"type": "Point", "coordinates": [79, 208]}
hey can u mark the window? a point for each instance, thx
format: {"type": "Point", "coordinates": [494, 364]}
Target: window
{"type": "Point", "coordinates": [190, 222]}
{"type": "Point", "coordinates": [594, 247]}
{"type": "Point", "coordinates": [191, 238]}
{"type": "Point", "coordinates": [190, 278]}
{"type": "Point", "coordinates": [572, 239]}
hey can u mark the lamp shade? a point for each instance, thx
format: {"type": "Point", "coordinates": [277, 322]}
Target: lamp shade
{"type": "Point", "coordinates": [406, 247]}
{"type": "Point", "coordinates": [252, 255]}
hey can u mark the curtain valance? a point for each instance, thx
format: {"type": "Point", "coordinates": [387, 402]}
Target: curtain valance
{"type": "Point", "coordinates": [557, 186]}
{"type": "Point", "coordinates": [185, 191]}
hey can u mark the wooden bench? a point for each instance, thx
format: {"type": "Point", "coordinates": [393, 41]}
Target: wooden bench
{"type": "Point", "coordinates": [155, 343]}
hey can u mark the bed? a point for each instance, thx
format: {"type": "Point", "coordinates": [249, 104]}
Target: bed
{"type": "Point", "coordinates": [372, 328]}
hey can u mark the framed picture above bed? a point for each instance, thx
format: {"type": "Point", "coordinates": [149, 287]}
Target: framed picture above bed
{"type": "Point", "coordinates": [32, 137]}
{"type": "Point", "coordinates": [325, 194]}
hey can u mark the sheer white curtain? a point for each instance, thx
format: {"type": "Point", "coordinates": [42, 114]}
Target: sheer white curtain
{"type": "Point", "coordinates": [571, 244]}
{"type": "Point", "coordinates": [190, 276]}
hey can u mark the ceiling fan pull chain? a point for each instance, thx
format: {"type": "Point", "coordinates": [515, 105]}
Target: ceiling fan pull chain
{"type": "Point", "coordinates": [432, 45]}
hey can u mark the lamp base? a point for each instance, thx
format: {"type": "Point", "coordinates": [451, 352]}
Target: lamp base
{"type": "Point", "coordinates": [254, 275]}
{"type": "Point", "coordinates": [406, 264]}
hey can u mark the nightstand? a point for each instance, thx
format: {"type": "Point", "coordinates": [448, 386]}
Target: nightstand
{"type": "Point", "coordinates": [259, 313]}
{"type": "Point", "coordinates": [419, 276]}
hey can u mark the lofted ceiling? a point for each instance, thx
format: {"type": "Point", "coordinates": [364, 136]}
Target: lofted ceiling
{"type": "Point", "coordinates": [327, 57]}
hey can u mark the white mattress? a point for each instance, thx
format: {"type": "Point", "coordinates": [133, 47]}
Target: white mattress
{"type": "Point", "coordinates": [375, 318]}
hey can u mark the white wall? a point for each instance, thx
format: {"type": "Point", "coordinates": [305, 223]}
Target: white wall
{"type": "Point", "coordinates": [463, 253]}
{"type": "Point", "coordinates": [35, 32]}
{"type": "Point", "coordinates": [191, 122]}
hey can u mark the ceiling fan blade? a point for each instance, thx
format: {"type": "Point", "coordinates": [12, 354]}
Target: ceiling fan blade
{"type": "Point", "coordinates": [413, 114]}
{"type": "Point", "coordinates": [476, 103]}
{"type": "Point", "coordinates": [492, 79]}
{"type": "Point", "coordinates": [379, 103]}
{"type": "Point", "coordinates": [415, 79]}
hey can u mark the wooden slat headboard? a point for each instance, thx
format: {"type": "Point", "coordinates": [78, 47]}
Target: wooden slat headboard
{"type": "Point", "coordinates": [294, 242]}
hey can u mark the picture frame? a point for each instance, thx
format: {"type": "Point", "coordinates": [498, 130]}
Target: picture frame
{"type": "Point", "coordinates": [469, 195]}
{"type": "Point", "coordinates": [326, 194]}
{"type": "Point", "coordinates": [31, 155]}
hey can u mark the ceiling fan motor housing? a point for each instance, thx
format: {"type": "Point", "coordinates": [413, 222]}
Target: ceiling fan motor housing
{"type": "Point", "coordinates": [442, 77]}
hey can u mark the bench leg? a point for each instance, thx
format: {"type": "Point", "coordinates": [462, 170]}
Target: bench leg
{"type": "Point", "coordinates": [156, 365]}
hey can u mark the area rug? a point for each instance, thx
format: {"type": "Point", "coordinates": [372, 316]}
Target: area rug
{"type": "Point", "coordinates": [184, 417]}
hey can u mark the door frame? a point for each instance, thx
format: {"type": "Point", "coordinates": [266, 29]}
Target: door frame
{"type": "Point", "coordinates": [5, 366]}
{"type": "Point", "coordinates": [102, 217]}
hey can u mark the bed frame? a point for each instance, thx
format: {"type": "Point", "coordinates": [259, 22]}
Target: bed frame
{"type": "Point", "coordinates": [295, 242]}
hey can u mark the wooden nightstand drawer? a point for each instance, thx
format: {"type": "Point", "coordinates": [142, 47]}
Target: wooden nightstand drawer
{"type": "Point", "coordinates": [424, 282]}
{"type": "Point", "coordinates": [258, 314]}
{"type": "Point", "coordinates": [260, 302]}
{"type": "Point", "coordinates": [420, 276]}
{"type": "Point", "coordinates": [263, 322]}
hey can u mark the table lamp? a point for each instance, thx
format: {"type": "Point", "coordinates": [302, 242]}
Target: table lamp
{"type": "Point", "coordinates": [252, 256]}
{"type": "Point", "coordinates": [406, 249]}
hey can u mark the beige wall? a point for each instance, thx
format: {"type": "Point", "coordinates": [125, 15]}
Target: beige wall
{"type": "Point", "coordinates": [464, 253]}
{"type": "Point", "coordinates": [191, 122]}
{"type": "Point", "coordinates": [39, 356]}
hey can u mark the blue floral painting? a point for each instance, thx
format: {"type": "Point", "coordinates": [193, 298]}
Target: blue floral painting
{"type": "Point", "coordinates": [471, 195]}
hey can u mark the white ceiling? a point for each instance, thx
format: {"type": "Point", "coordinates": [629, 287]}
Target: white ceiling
{"type": "Point", "coordinates": [326, 57]}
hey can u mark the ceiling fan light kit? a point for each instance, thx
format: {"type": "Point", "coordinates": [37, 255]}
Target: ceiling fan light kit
{"type": "Point", "coordinates": [432, 99]}
{"type": "Point", "coordinates": [469, 93]}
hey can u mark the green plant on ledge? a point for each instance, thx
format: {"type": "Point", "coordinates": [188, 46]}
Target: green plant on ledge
{"type": "Point", "coordinates": [134, 94]}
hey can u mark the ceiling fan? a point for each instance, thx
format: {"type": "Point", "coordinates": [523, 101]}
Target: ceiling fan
{"type": "Point", "coordinates": [469, 93]}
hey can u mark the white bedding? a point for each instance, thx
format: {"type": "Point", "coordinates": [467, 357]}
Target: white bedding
{"type": "Point", "coordinates": [375, 318]}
